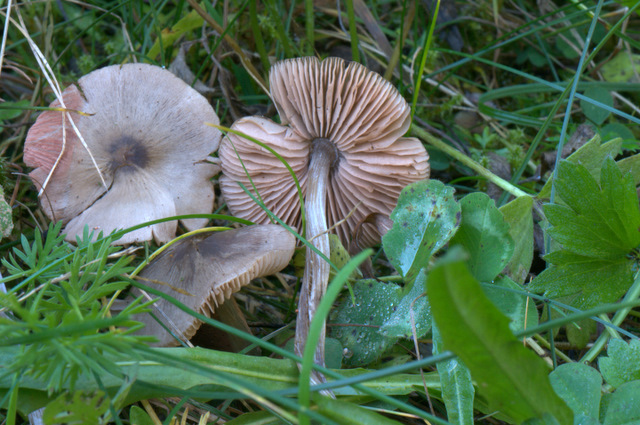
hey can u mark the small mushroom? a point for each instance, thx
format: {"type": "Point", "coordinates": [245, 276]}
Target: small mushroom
{"type": "Point", "coordinates": [341, 133]}
{"type": "Point", "coordinates": [203, 270]}
{"type": "Point", "coordinates": [145, 157]}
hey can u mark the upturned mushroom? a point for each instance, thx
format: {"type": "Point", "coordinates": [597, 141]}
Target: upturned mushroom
{"type": "Point", "coordinates": [204, 270]}
{"type": "Point", "coordinates": [139, 154]}
{"type": "Point", "coordinates": [341, 133]}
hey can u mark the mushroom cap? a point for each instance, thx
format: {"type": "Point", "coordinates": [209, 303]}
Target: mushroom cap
{"type": "Point", "coordinates": [360, 112]}
{"type": "Point", "coordinates": [204, 270]}
{"type": "Point", "coordinates": [148, 137]}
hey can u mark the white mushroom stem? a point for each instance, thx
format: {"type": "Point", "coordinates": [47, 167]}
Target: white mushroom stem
{"type": "Point", "coordinates": [316, 271]}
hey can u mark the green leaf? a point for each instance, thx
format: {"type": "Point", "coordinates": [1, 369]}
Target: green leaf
{"type": "Point", "coordinates": [457, 386]}
{"type": "Point", "coordinates": [599, 220]}
{"type": "Point", "coordinates": [139, 416]}
{"type": "Point", "coordinates": [517, 214]}
{"type": "Point", "coordinates": [579, 333]}
{"type": "Point", "coordinates": [622, 364]}
{"type": "Point", "coordinates": [357, 326]}
{"type": "Point", "coordinates": [381, 316]}
{"type": "Point", "coordinates": [6, 218]}
{"type": "Point", "coordinates": [587, 280]}
{"type": "Point", "coordinates": [413, 305]}
{"type": "Point", "coordinates": [425, 218]}
{"type": "Point", "coordinates": [598, 230]}
{"type": "Point", "coordinates": [344, 412]}
{"type": "Point", "coordinates": [591, 156]}
{"type": "Point", "coordinates": [484, 235]}
{"type": "Point", "coordinates": [623, 406]}
{"type": "Point", "coordinates": [620, 68]}
{"type": "Point", "coordinates": [593, 112]}
{"type": "Point", "coordinates": [512, 378]}
{"type": "Point", "coordinates": [512, 304]}
{"type": "Point", "coordinates": [579, 386]}
{"type": "Point", "coordinates": [81, 407]}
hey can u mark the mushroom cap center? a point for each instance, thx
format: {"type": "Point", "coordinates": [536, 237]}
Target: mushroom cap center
{"type": "Point", "coordinates": [127, 154]}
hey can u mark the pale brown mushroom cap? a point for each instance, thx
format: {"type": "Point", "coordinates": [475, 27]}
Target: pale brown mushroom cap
{"type": "Point", "coordinates": [148, 136]}
{"type": "Point", "coordinates": [204, 270]}
{"type": "Point", "coordinates": [360, 112]}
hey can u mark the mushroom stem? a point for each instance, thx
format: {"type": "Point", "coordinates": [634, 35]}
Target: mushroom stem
{"type": "Point", "coordinates": [316, 271]}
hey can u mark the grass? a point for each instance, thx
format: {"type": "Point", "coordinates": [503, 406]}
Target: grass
{"type": "Point", "coordinates": [493, 115]}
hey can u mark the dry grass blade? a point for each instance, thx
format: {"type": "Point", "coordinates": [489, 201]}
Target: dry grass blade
{"type": "Point", "coordinates": [55, 86]}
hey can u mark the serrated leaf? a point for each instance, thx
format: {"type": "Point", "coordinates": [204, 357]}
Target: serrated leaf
{"type": "Point", "coordinates": [425, 218]}
{"type": "Point", "coordinates": [457, 385]}
{"type": "Point", "coordinates": [591, 156]}
{"type": "Point", "coordinates": [608, 213]}
{"type": "Point", "coordinates": [512, 378]}
{"type": "Point", "coordinates": [589, 281]}
{"type": "Point", "coordinates": [622, 362]}
{"type": "Point", "coordinates": [623, 406]}
{"type": "Point", "coordinates": [579, 386]}
{"type": "Point", "coordinates": [413, 305]}
{"type": "Point", "coordinates": [598, 229]}
{"type": "Point", "coordinates": [593, 112]}
{"type": "Point", "coordinates": [517, 214]}
{"type": "Point", "coordinates": [357, 326]}
{"type": "Point", "coordinates": [484, 235]}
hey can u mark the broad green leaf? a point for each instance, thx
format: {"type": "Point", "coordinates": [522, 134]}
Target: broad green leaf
{"type": "Point", "coordinates": [579, 386]}
{"type": "Point", "coordinates": [261, 417]}
{"type": "Point", "coordinates": [344, 412]}
{"type": "Point", "coordinates": [622, 363]}
{"type": "Point", "coordinates": [12, 110]}
{"type": "Point", "coordinates": [484, 235]}
{"type": "Point", "coordinates": [357, 326]}
{"type": "Point", "coordinates": [512, 304]}
{"type": "Point", "coordinates": [6, 219]}
{"type": "Point", "coordinates": [591, 156]}
{"type": "Point", "coordinates": [425, 218]}
{"type": "Point", "coordinates": [587, 280]}
{"type": "Point", "coordinates": [80, 407]}
{"type": "Point", "coordinates": [605, 215]}
{"type": "Point", "coordinates": [457, 386]}
{"type": "Point", "coordinates": [517, 214]}
{"type": "Point", "coordinates": [153, 379]}
{"type": "Point", "coordinates": [579, 333]}
{"type": "Point", "coordinates": [413, 305]}
{"type": "Point", "coordinates": [512, 378]}
{"type": "Point", "coordinates": [598, 230]}
{"type": "Point", "coordinates": [623, 406]}
{"type": "Point", "coordinates": [339, 257]}
{"type": "Point", "coordinates": [382, 315]}
{"type": "Point", "coordinates": [631, 165]}
{"type": "Point", "coordinates": [139, 416]}
{"type": "Point", "coordinates": [620, 68]}
{"type": "Point", "coordinates": [190, 22]}
{"type": "Point", "coordinates": [593, 112]}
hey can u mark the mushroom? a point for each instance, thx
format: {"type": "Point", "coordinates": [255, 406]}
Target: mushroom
{"type": "Point", "coordinates": [145, 157]}
{"type": "Point", "coordinates": [203, 270]}
{"type": "Point", "coordinates": [341, 133]}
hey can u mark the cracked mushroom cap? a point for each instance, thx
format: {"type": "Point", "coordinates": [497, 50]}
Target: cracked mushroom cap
{"type": "Point", "coordinates": [364, 117]}
{"type": "Point", "coordinates": [146, 131]}
{"type": "Point", "coordinates": [204, 270]}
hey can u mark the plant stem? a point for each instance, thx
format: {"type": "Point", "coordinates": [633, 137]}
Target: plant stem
{"type": "Point", "coordinates": [316, 271]}
{"type": "Point", "coordinates": [464, 159]}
